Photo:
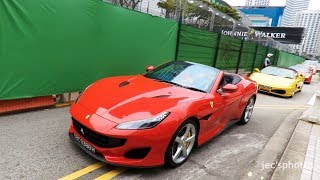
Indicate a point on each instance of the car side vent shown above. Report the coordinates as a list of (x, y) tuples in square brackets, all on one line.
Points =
[(124, 83), (161, 96)]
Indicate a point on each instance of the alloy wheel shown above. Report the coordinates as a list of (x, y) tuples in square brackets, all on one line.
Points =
[(183, 143), (249, 110)]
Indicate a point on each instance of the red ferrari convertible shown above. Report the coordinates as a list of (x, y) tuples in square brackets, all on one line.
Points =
[(159, 117), (306, 71)]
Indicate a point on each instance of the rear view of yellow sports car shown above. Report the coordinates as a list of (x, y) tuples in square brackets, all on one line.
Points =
[(278, 81)]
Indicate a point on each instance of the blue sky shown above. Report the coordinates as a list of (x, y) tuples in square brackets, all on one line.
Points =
[(314, 4)]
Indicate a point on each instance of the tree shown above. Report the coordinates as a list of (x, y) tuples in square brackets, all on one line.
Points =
[(225, 9), (169, 6), (192, 10), (129, 3)]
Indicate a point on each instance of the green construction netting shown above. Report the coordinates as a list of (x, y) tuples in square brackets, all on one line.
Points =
[(228, 54), (201, 46), (58, 46), (286, 59), (260, 56), (197, 45), (248, 55)]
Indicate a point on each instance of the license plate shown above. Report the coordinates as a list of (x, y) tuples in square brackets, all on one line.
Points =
[(84, 144), (264, 87)]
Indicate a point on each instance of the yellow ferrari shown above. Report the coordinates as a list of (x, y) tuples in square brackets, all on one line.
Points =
[(277, 80)]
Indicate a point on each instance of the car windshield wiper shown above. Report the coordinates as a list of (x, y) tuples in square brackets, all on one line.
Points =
[(176, 84), (170, 82), (272, 74), (288, 77), (194, 89)]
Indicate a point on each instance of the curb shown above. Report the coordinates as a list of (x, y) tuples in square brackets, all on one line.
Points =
[(294, 153), (274, 149)]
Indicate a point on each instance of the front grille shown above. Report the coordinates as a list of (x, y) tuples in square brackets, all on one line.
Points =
[(279, 91), (263, 87), (137, 153), (96, 138)]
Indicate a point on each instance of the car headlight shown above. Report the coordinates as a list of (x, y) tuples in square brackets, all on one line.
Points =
[(144, 123)]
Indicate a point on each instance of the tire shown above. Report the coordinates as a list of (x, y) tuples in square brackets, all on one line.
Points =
[(293, 93), (247, 112), (173, 158), (300, 89)]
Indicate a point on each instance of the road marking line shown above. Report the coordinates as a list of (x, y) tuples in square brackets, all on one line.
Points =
[(281, 107), (111, 174), (270, 105), (83, 171), (312, 99)]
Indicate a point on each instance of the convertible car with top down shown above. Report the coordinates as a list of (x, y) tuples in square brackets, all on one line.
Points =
[(159, 117), (306, 71), (278, 80)]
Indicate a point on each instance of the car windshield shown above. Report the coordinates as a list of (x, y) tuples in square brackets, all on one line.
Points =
[(281, 72), (301, 69), (188, 75), (309, 62)]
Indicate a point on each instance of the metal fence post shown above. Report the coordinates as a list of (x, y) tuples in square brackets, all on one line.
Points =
[(178, 10), (239, 57), (215, 57), (212, 21), (255, 56), (178, 42), (179, 20), (276, 58)]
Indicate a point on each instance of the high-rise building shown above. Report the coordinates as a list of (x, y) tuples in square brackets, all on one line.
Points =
[(291, 10), (310, 20), (257, 2), (263, 16)]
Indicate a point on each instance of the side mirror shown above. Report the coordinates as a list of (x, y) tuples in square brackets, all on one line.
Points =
[(229, 88), (257, 70), (300, 76), (149, 68)]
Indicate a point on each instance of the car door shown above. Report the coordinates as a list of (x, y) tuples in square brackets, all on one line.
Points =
[(232, 101), (211, 115), (217, 109)]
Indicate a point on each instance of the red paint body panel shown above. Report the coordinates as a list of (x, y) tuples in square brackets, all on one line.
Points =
[(308, 78), (108, 103), (141, 98), (155, 138)]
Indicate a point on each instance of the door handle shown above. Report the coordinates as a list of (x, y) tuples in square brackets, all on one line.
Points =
[(222, 94)]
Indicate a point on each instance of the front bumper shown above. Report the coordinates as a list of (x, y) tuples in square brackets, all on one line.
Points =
[(308, 80), (155, 139), (97, 156), (284, 92)]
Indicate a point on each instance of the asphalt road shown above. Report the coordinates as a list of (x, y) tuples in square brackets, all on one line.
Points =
[(35, 145)]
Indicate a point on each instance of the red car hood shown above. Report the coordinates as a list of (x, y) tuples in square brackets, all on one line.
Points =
[(128, 98)]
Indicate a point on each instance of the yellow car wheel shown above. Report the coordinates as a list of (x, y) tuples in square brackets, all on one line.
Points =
[(300, 89), (293, 92)]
